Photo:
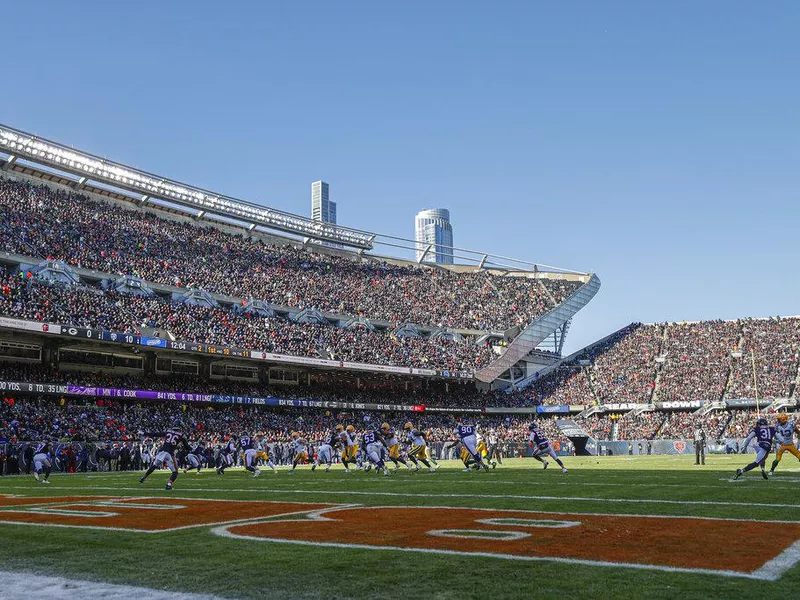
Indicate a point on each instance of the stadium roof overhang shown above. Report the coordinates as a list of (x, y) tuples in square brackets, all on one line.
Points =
[(57, 161), (21, 145)]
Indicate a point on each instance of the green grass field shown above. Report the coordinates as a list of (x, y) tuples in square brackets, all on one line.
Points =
[(198, 560)]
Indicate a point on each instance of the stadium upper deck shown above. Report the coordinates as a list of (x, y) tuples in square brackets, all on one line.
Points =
[(90, 223)]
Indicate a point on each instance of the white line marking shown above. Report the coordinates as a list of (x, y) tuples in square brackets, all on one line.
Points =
[(530, 523), (223, 532), (482, 496), (479, 534), (770, 571), (773, 569)]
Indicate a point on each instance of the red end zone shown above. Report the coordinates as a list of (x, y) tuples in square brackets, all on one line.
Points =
[(720, 546), (139, 514)]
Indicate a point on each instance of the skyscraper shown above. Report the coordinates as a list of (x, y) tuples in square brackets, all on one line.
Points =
[(433, 227), (322, 209)]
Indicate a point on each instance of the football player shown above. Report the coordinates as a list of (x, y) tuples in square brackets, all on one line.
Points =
[(147, 457), (428, 452), (300, 449), (262, 453), (374, 445), (484, 451), (194, 459), (226, 456), (247, 447), (348, 445), (325, 451), (469, 439), (42, 461), (417, 443), (541, 445), (763, 434), (165, 455), (784, 434), (393, 444)]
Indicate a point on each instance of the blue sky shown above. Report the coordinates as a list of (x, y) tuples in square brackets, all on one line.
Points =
[(656, 143)]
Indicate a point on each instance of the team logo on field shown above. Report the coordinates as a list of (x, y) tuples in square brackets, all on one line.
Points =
[(138, 514), (679, 446), (663, 543)]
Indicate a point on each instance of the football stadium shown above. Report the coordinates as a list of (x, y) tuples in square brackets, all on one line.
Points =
[(183, 370), (211, 397)]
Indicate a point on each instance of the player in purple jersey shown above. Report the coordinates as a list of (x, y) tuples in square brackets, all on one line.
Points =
[(173, 439), (541, 445), (763, 434)]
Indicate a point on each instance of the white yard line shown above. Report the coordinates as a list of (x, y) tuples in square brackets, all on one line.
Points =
[(427, 495), (24, 586)]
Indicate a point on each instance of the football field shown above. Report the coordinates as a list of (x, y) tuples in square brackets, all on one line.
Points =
[(611, 527)]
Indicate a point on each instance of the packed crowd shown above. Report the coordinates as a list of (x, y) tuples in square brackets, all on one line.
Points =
[(431, 393), (41, 221), (89, 419), (698, 360), (85, 420), (678, 362), (775, 344), (83, 306)]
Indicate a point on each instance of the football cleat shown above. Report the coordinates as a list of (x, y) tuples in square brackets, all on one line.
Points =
[(44, 481), (763, 474), (257, 472), (36, 476), (141, 479), (544, 464), (169, 485), (314, 466), (432, 470), (467, 470), (563, 469), (738, 474)]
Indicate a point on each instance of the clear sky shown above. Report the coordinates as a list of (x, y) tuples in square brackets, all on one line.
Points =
[(656, 143)]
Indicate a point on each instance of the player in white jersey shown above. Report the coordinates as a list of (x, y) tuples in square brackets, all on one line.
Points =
[(42, 462), (262, 452), (146, 456), (325, 451), (417, 447), (784, 436), (300, 449), (348, 445), (393, 444)]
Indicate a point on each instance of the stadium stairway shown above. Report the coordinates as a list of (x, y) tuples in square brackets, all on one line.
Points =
[(539, 330)]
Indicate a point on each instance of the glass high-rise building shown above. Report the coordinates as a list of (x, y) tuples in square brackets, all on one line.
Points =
[(322, 209), (432, 228)]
